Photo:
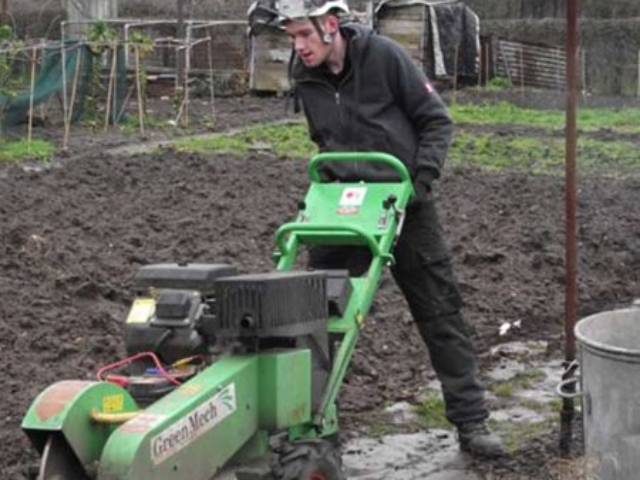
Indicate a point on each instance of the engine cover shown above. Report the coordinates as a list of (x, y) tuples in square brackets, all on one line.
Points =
[(274, 304)]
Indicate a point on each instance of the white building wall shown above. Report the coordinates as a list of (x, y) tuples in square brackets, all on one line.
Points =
[(87, 10)]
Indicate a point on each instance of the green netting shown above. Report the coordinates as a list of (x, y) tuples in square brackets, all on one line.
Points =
[(50, 81)]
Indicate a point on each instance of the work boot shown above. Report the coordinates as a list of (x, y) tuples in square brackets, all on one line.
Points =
[(476, 439)]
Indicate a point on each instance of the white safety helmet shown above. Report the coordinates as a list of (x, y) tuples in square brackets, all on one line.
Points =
[(295, 9), (275, 13)]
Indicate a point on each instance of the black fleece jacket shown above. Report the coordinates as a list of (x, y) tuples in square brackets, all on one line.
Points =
[(384, 103)]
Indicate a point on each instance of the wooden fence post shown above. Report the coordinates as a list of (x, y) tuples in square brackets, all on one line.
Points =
[(34, 60), (639, 73)]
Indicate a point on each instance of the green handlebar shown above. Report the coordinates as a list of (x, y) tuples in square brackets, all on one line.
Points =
[(324, 230), (379, 157)]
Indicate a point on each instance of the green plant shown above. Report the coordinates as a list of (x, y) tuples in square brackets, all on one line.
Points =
[(20, 150), (10, 84), (497, 84), (101, 36), (142, 46), (6, 33), (432, 413)]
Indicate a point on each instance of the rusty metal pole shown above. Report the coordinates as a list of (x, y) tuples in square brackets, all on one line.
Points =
[(568, 407), (180, 34), (4, 20)]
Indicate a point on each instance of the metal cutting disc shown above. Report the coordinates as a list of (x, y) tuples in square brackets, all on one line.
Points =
[(59, 462)]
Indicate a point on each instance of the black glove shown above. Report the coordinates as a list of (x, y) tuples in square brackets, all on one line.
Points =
[(422, 184)]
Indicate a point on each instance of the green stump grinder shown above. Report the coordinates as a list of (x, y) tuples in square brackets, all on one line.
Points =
[(232, 375)]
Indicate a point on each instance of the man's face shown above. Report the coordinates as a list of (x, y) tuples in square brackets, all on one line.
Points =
[(307, 42)]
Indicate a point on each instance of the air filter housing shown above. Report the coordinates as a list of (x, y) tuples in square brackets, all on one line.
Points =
[(274, 304), (193, 276)]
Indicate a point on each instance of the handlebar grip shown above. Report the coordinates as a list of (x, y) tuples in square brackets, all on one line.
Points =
[(379, 157)]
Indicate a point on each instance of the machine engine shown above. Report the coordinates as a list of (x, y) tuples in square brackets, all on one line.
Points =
[(185, 311), (171, 300)]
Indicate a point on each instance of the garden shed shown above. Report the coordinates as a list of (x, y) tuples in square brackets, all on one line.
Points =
[(269, 55), (442, 36)]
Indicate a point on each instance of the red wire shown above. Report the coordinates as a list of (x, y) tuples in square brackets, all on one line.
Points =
[(128, 360)]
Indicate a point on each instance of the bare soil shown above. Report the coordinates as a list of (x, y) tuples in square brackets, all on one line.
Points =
[(73, 235)]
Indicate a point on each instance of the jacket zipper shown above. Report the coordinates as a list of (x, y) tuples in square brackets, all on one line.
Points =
[(338, 101), (344, 125)]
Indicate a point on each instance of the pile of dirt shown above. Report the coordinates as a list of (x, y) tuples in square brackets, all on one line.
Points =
[(72, 238)]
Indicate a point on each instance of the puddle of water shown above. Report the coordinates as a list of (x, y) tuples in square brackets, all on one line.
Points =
[(433, 455)]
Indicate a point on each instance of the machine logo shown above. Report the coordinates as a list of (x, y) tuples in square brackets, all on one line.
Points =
[(353, 197), (197, 422)]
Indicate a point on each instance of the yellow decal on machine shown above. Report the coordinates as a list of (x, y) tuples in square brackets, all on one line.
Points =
[(113, 403), (193, 425), (142, 310)]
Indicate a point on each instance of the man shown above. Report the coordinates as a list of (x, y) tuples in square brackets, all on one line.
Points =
[(361, 92)]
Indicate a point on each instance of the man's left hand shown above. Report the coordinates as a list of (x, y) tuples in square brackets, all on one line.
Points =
[(422, 184)]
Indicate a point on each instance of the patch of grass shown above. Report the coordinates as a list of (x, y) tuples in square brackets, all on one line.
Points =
[(505, 113), (519, 435), (504, 389), (556, 405), (532, 375), (379, 430), (432, 413), (538, 153), (542, 154), (522, 381), (21, 150), (542, 408), (620, 120), (131, 123), (497, 84), (497, 151), (288, 139), (624, 120)]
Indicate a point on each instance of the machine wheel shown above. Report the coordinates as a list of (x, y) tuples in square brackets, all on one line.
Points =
[(59, 462), (308, 460)]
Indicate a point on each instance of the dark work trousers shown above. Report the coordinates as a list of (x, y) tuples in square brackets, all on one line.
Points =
[(425, 275)]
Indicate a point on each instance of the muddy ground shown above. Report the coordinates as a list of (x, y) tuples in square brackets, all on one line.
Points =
[(73, 235)]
